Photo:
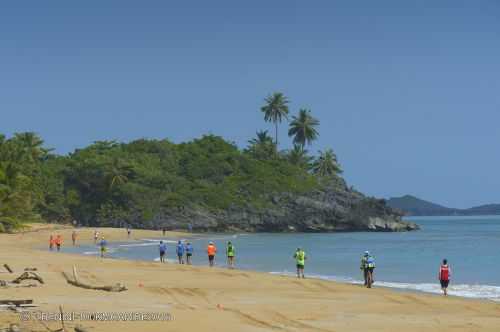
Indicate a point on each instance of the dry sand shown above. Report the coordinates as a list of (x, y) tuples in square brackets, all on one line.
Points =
[(200, 298)]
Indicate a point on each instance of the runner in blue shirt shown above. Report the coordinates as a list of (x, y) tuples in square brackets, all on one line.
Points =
[(163, 251), (180, 252)]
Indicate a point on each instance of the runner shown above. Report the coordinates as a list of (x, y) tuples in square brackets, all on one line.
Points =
[(164, 231), (96, 236), (103, 244), (73, 237), (230, 253), (300, 258), (58, 242), (368, 266), (128, 232), (211, 251), (163, 251), (189, 252), (363, 266), (180, 252), (444, 276), (52, 242)]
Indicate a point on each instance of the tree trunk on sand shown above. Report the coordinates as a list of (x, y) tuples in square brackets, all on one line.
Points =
[(28, 276), (113, 288)]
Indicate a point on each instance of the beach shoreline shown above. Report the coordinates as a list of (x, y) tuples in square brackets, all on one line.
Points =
[(218, 298)]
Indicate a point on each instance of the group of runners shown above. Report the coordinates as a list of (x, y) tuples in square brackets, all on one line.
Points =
[(184, 251), (55, 242), (368, 268)]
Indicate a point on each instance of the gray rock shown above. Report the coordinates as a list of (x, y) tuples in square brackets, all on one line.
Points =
[(335, 208)]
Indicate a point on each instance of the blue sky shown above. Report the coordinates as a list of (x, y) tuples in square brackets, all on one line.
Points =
[(408, 93)]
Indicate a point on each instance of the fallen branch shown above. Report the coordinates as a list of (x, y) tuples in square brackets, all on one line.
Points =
[(114, 288), (7, 267), (7, 306), (28, 276), (80, 329), (16, 302), (7, 284)]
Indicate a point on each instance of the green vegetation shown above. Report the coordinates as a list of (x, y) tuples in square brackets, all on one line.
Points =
[(110, 183)]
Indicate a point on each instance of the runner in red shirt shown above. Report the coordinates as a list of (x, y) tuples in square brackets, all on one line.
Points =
[(444, 276)]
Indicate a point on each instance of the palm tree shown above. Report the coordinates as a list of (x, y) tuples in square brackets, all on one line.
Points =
[(303, 128), (31, 144), (262, 146), (298, 156), (275, 109), (262, 138), (326, 165), (119, 173)]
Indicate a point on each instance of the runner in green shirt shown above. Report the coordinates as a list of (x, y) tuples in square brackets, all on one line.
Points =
[(300, 258), (230, 253)]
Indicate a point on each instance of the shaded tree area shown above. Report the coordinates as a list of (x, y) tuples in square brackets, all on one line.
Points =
[(111, 184)]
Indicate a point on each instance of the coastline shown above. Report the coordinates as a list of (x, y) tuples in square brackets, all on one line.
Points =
[(225, 300)]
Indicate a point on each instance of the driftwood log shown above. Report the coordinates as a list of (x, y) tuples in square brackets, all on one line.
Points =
[(16, 302), (7, 267), (80, 329), (7, 284), (112, 288), (28, 276)]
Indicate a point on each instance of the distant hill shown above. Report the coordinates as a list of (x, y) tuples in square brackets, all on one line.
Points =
[(413, 206)]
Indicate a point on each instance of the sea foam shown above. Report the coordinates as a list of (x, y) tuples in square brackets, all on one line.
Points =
[(462, 290)]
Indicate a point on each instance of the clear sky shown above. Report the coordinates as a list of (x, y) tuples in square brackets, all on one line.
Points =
[(407, 92)]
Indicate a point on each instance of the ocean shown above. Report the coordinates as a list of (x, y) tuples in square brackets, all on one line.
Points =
[(407, 260)]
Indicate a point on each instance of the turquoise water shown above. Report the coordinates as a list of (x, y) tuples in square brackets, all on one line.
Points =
[(404, 260)]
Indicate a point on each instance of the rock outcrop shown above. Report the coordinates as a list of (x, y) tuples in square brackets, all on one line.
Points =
[(335, 208)]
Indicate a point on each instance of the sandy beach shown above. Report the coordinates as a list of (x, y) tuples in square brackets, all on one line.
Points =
[(215, 299)]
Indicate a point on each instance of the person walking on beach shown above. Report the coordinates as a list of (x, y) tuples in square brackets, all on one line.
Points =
[(103, 244), (300, 259), (230, 253), (58, 242), (189, 252), (180, 252), (444, 276), (129, 231), (96, 236), (211, 251), (73, 238), (52, 242), (164, 231), (163, 251), (368, 266)]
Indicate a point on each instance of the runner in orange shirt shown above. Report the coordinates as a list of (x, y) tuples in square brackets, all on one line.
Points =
[(211, 251)]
